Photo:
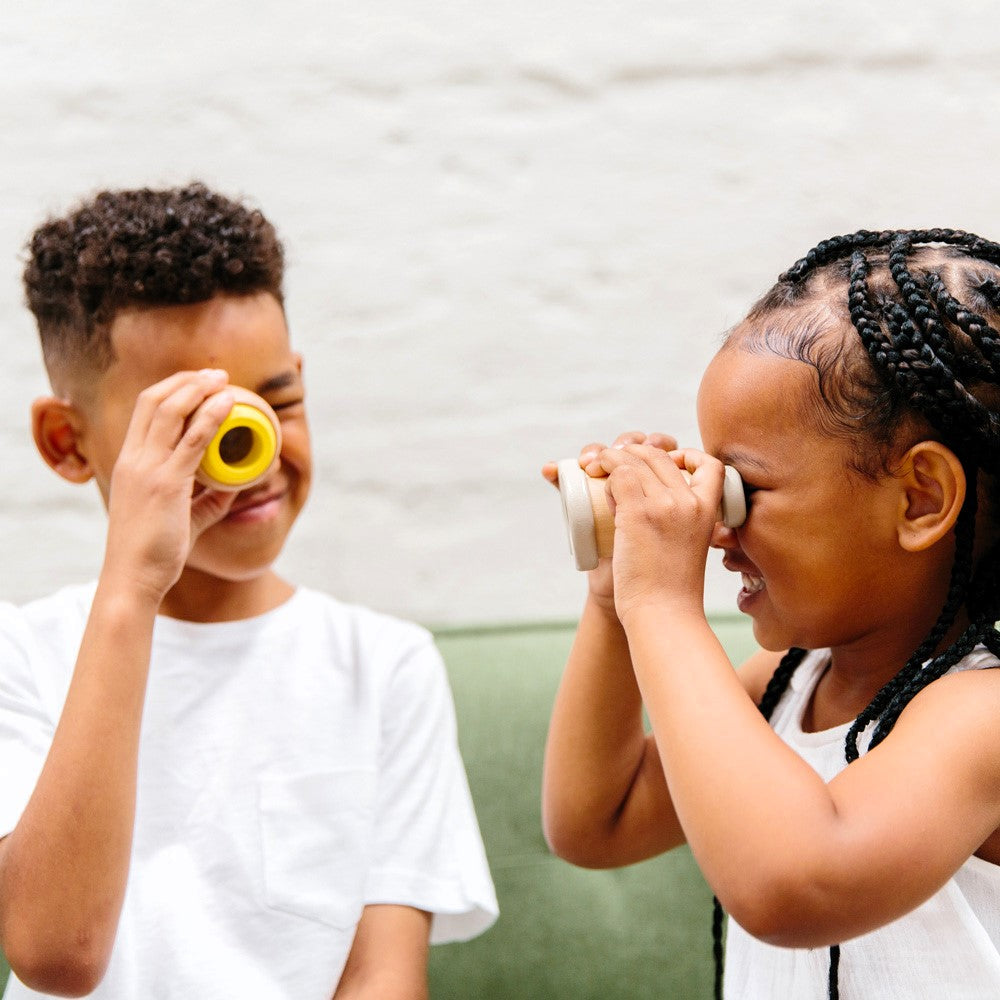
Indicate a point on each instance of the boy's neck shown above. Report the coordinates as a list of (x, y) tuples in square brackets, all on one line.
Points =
[(201, 597)]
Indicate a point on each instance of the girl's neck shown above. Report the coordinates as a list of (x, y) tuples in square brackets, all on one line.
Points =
[(856, 672)]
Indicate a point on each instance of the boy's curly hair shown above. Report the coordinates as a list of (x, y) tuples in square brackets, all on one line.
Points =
[(134, 248)]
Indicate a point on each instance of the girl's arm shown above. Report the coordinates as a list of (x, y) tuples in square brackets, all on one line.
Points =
[(796, 861), (605, 801)]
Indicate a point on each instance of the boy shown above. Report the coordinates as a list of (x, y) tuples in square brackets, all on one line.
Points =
[(213, 784)]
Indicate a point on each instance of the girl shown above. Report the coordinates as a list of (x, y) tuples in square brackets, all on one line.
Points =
[(829, 791)]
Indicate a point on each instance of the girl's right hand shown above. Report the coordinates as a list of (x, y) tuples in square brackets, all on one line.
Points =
[(152, 519), (601, 580)]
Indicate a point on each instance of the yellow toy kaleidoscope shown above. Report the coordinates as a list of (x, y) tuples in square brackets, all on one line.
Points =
[(245, 448)]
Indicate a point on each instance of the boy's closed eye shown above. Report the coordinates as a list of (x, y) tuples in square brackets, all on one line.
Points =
[(289, 404)]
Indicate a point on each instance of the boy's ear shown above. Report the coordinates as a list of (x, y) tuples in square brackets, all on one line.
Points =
[(55, 426), (932, 492)]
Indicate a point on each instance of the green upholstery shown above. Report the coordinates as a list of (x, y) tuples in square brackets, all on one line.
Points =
[(635, 933), (630, 934)]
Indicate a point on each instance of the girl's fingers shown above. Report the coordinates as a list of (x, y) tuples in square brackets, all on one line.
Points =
[(654, 466), (590, 456), (665, 442), (629, 437)]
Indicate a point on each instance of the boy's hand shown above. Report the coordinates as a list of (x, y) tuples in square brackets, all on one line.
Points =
[(663, 524), (152, 519), (601, 580)]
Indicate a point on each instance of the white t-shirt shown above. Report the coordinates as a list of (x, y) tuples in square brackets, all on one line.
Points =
[(946, 949), (293, 768)]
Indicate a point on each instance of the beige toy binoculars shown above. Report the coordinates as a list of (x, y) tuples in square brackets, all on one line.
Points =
[(590, 524), (245, 448)]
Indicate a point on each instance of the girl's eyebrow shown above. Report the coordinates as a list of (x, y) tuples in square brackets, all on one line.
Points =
[(282, 381), (744, 459)]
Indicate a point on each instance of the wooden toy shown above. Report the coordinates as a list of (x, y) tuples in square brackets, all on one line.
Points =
[(246, 447), (590, 524)]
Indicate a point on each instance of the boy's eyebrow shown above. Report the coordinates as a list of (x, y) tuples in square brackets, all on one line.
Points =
[(282, 381)]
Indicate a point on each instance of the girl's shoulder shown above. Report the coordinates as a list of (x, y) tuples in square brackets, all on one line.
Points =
[(756, 671), (961, 706), (974, 677)]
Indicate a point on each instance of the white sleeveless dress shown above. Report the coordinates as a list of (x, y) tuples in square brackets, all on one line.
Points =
[(946, 949)]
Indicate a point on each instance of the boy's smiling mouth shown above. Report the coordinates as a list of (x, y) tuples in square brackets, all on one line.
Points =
[(752, 584), (256, 506)]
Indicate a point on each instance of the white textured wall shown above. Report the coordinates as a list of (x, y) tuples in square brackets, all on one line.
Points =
[(511, 228)]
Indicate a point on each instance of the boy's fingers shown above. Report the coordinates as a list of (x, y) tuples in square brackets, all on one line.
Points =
[(159, 407), (207, 508), (202, 427)]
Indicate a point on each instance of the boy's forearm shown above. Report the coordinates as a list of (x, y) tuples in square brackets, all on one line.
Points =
[(64, 868)]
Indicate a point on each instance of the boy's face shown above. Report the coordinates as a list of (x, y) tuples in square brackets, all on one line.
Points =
[(247, 336)]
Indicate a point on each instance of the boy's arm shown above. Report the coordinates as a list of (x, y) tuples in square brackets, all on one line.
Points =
[(388, 959), (64, 867)]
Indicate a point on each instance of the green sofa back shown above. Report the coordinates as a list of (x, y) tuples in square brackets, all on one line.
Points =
[(564, 933)]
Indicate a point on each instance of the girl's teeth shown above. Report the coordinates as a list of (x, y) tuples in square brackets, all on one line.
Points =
[(752, 584)]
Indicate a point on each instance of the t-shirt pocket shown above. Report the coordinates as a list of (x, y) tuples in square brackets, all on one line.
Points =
[(316, 837)]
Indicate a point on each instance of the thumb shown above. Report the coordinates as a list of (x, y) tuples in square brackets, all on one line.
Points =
[(208, 508)]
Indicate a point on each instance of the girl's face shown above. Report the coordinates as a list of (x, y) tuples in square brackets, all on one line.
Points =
[(818, 554)]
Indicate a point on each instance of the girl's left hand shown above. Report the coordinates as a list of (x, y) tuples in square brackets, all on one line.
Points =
[(663, 525)]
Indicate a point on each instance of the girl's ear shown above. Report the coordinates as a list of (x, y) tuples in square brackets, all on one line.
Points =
[(932, 491), (55, 426)]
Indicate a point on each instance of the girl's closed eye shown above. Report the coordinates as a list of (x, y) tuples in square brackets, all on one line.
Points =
[(748, 491)]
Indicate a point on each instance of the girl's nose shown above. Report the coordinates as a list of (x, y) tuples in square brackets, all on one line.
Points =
[(723, 537)]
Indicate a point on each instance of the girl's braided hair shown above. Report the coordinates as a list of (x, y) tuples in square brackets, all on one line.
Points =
[(926, 308)]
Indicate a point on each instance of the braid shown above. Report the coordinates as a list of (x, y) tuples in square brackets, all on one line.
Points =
[(838, 247), (984, 591), (776, 687), (717, 950), (896, 694), (983, 337), (833, 981), (779, 681)]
